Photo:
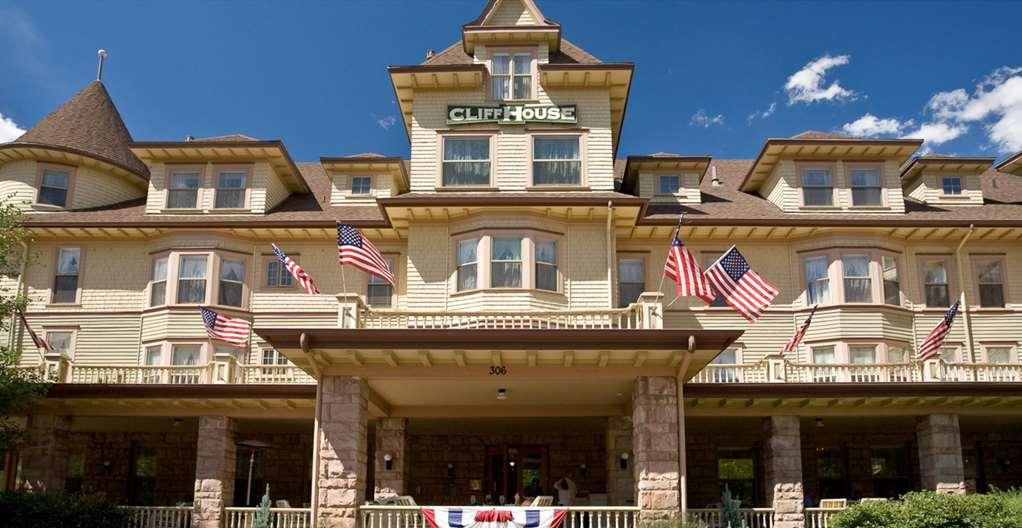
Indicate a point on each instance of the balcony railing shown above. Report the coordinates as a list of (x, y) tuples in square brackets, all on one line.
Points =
[(215, 372), (374, 516), (279, 517), (159, 516), (273, 375), (774, 369), (820, 517)]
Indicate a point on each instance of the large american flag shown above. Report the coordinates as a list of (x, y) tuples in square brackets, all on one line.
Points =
[(935, 339), (296, 271), (684, 270), (799, 334), (491, 517), (38, 341), (230, 330), (743, 289), (357, 250)]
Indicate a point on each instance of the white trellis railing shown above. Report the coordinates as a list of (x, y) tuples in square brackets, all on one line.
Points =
[(279, 517), (159, 516)]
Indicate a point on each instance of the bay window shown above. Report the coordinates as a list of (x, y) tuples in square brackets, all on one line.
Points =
[(862, 354), (511, 76), (990, 281), (232, 282), (53, 185), (65, 281), (231, 187), (546, 265), (824, 355), (892, 284), (631, 279), (935, 284), (466, 161), (556, 160), (191, 279), (153, 356), (817, 280), (185, 355), (817, 187), (183, 192), (158, 284), (866, 188), (857, 283), (468, 264), (897, 354), (506, 262)]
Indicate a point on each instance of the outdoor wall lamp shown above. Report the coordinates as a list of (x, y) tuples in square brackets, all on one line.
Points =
[(583, 469), (388, 462), (450, 470), (501, 394), (623, 461)]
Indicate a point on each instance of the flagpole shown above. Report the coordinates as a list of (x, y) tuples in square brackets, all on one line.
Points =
[(344, 286)]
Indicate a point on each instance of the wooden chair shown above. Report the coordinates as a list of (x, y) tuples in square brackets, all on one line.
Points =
[(833, 503), (543, 500), (404, 500), (282, 503)]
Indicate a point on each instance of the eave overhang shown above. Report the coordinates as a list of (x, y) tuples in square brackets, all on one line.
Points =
[(393, 165), (615, 77), (961, 165), (407, 79), (69, 156), (636, 164), (271, 151), (1013, 164), (776, 149), (472, 35)]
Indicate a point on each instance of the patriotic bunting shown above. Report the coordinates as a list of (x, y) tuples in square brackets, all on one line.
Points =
[(489, 517)]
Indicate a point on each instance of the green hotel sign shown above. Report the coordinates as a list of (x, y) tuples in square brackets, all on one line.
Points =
[(511, 114)]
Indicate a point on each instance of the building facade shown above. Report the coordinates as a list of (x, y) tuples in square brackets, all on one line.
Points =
[(529, 334)]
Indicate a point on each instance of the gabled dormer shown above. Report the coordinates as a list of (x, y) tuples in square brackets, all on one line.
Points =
[(510, 21), (361, 179), (816, 172), (221, 175), (665, 178), (945, 180), (1012, 165), (77, 157)]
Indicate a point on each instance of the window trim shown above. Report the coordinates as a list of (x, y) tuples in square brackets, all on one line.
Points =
[(836, 276), (1012, 346), (558, 272), (166, 281), (245, 290), (394, 259), (842, 349), (81, 273), (481, 270), (659, 189), (264, 265), (72, 343), (484, 261), (583, 147), (490, 136), (217, 170), (523, 261), (879, 167), (829, 259), (949, 266), (213, 266), (70, 170), (871, 275), (801, 168), (961, 186), (975, 261), (349, 186), (630, 255), (511, 51), (170, 170)]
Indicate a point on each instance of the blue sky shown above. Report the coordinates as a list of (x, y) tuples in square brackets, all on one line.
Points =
[(711, 78)]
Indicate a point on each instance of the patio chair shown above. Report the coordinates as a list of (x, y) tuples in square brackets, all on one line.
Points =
[(282, 503), (543, 500), (833, 503), (404, 500)]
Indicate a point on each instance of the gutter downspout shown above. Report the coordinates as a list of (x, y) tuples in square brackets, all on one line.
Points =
[(961, 286), (610, 254)]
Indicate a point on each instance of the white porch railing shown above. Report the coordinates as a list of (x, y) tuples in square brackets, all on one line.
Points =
[(820, 517), (998, 373), (279, 517), (273, 375), (849, 373), (376, 516), (752, 517), (159, 516), (139, 375), (752, 373), (773, 369)]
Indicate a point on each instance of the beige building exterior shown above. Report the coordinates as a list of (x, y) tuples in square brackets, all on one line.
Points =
[(529, 335)]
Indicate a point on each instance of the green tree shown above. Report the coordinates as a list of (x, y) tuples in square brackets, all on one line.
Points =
[(262, 515), (18, 389), (730, 516)]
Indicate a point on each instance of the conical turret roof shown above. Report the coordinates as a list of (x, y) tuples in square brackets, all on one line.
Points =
[(88, 124)]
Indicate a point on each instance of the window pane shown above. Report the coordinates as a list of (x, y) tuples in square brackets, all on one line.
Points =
[(546, 251), (232, 273), (60, 341), (818, 195), (897, 355), (631, 270), (231, 293), (506, 274), (193, 267), (65, 289), (936, 286), (55, 179), (670, 184), (506, 249), (232, 270), (999, 355), (991, 295), (823, 355), (158, 293), (153, 355), (186, 354), (160, 269), (191, 291), (361, 185), (68, 260), (949, 354), (184, 180), (501, 64), (460, 149), (51, 196), (936, 273), (523, 64), (501, 88), (865, 178), (231, 180), (629, 293), (937, 295), (892, 284), (727, 357), (816, 177), (857, 280), (817, 280), (467, 277), (546, 277), (867, 196), (523, 86), (862, 355), (556, 148), (230, 199), (182, 199), (379, 295), (557, 172), (467, 250), (952, 185), (466, 173), (990, 272)]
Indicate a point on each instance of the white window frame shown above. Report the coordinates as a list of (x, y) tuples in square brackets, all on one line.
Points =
[(442, 160), (475, 264), (850, 170), (868, 277), (72, 340), (282, 273), (660, 184), (581, 160), (173, 170), (828, 298), (360, 193), (245, 190), (536, 241), (643, 264), (1001, 261), (949, 272), (69, 175), (153, 282), (802, 172), (521, 261), (241, 283), (513, 55), (372, 281), (78, 275)]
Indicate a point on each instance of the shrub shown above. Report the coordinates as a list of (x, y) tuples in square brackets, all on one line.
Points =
[(36, 510), (926, 509)]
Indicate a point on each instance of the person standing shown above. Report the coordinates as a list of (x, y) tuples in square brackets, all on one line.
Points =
[(566, 490)]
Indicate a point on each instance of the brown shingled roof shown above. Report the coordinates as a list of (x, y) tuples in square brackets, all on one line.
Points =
[(227, 138), (569, 53), (816, 134), (88, 124)]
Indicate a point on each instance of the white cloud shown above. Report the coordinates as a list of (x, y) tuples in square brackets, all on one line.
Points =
[(701, 118), (386, 122), (870, 125), (808, 84), (762, 114), (937, 133), (996, 102), (9, 130)]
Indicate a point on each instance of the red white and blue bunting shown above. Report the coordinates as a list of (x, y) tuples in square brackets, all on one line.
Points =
[(489, 517)]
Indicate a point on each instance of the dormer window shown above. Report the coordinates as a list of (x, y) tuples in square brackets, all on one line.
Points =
[(231, 189), (361, 185), (817, 187), (866, 189), (952, 185), (184, 189), (53, 186), (669, 184), (511, 76)]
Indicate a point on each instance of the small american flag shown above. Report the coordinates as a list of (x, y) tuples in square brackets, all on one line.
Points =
[(682, 268), (230, 330), (741, 288), (38, 341), (357, 250), (296, 271), (935, 339), (799, 334)]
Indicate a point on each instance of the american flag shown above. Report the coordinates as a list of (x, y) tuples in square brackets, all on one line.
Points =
[(935, 339), (296, 271), (357, 250), (743, 289), (682, 268), (230, 330), (38, 341), (800, 333)]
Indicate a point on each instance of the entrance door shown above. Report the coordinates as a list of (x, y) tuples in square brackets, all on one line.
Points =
[(512, 469)]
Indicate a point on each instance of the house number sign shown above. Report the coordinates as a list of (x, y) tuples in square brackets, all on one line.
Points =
[(498, 371)]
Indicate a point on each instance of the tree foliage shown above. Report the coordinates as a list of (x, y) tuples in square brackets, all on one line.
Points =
[(262, 515), (927, 509)]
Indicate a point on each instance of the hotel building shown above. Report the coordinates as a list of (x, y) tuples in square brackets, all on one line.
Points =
[(529, 334)]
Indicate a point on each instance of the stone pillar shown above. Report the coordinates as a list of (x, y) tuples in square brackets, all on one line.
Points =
[(343, 451), (44, 453), (940, 453), (215, 459), (620, 480), (782, 463), (391, 441), (655, 446)]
